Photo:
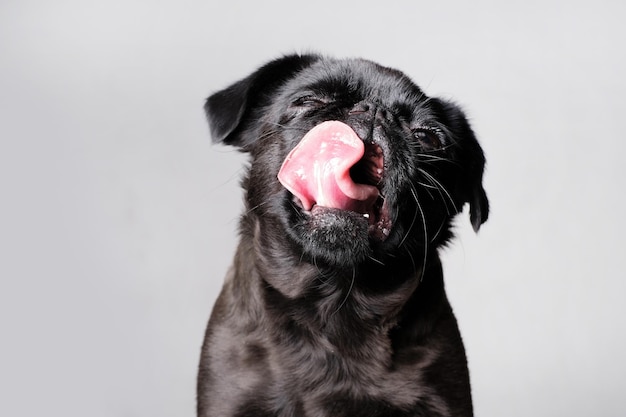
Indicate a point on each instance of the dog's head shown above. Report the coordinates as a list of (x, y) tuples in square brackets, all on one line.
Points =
[(351, 162)]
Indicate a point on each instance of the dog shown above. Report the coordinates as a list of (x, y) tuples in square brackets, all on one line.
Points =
[(335, 302)]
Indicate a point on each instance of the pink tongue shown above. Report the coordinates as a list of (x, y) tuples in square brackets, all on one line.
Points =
[(317, 170)]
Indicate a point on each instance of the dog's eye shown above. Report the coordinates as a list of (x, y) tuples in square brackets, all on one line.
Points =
[(309, 101), (427, 138)]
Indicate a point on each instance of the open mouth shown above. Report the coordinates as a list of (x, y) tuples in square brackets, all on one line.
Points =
[(332, 168), (369, 170)]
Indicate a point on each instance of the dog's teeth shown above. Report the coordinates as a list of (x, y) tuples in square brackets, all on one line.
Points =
[(367, 216)]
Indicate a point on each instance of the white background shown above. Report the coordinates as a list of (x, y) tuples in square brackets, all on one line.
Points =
[(118, 217)]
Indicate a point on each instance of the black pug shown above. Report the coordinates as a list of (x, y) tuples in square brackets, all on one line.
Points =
[(335, 303)]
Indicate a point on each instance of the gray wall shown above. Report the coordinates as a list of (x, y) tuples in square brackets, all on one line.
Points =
[(118, 217)]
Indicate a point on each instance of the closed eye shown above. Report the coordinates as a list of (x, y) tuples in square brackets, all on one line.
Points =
[(309, 101)]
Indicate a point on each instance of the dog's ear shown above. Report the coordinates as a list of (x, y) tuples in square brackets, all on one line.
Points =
[(231, 112), (472, 159), (479, 206)]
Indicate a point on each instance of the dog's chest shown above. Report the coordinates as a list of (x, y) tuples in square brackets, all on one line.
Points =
[(374, 383)]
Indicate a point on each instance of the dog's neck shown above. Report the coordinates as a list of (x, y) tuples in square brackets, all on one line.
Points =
[(343, 305)]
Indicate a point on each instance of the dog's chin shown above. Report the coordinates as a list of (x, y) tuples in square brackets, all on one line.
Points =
[(333, 237), (340, 238)]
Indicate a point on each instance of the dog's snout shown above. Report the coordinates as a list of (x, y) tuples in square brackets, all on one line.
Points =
[(364, 117)]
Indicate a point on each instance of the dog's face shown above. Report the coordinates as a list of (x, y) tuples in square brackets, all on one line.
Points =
[(418, 165)]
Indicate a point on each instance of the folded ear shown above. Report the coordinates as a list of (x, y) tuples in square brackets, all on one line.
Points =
[(231, 111), (479, 206), (472, 160)]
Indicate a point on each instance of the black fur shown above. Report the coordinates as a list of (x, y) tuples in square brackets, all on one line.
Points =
[(318, 315)]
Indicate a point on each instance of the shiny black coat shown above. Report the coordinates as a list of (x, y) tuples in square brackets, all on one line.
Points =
[(318, 317)]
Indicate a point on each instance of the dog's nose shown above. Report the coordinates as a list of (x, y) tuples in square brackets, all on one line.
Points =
[(362, 117)]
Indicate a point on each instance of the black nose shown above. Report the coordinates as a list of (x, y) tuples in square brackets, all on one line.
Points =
[(363, 118)]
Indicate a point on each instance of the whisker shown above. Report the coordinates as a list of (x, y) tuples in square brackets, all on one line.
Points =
[(441, 188), (438, 231), (431, 186), (321, 274), (428, 188), (408, 252), (345, 299), (275, 130), (283, 127), (431, 157), (408, 231), (256, 207), (297, 210), (376, 260), (419, 206)]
